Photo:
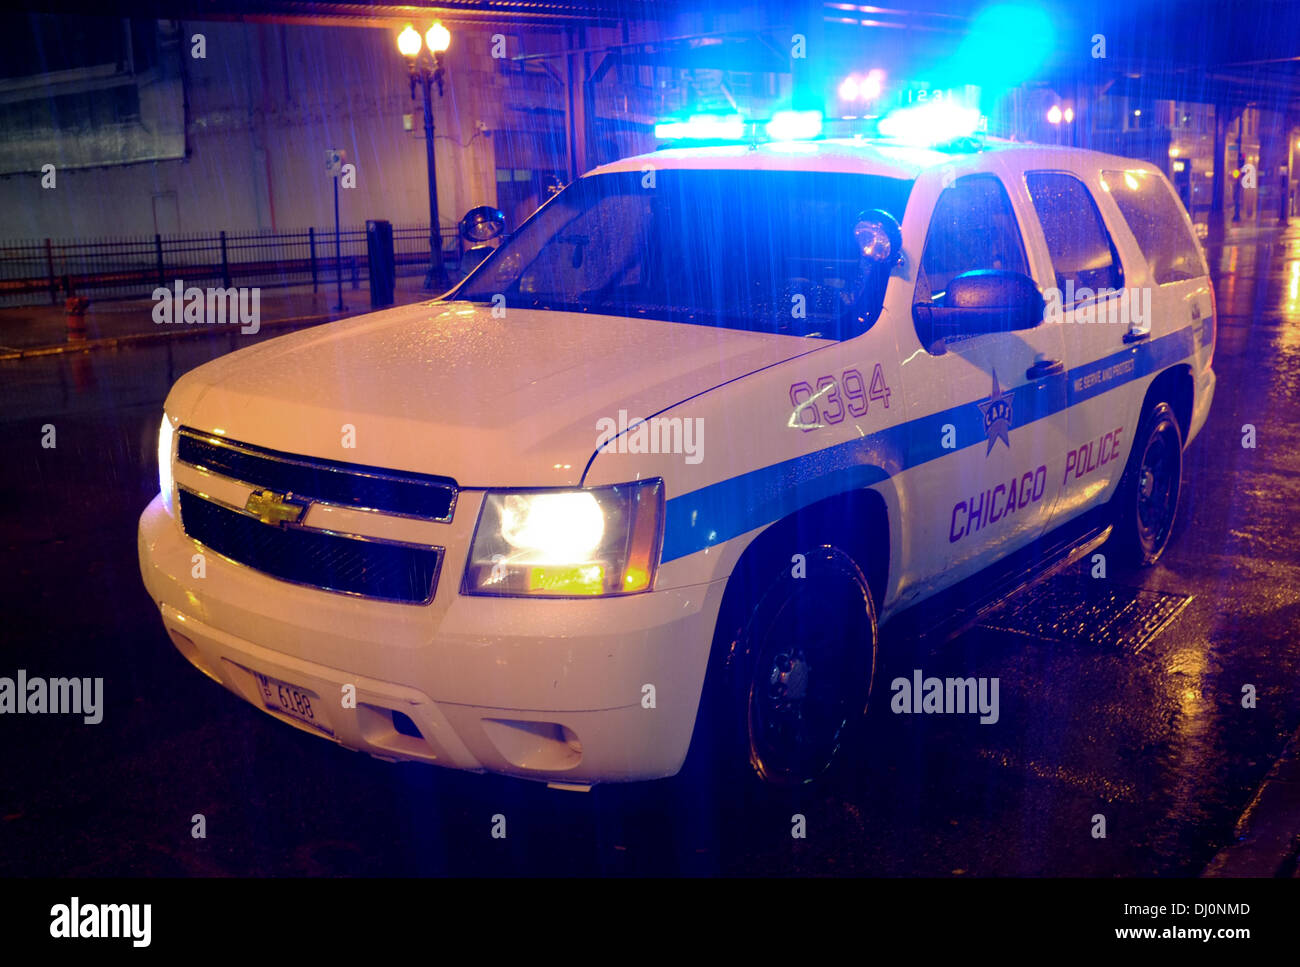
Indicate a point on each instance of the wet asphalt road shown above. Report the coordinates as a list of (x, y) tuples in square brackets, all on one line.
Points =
[(1154, 740)]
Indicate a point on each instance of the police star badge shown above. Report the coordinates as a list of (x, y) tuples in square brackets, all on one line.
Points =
[(997, 415)]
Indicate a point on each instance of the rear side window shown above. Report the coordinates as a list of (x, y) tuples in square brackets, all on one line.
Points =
[(1158, 223), (1080, 246)]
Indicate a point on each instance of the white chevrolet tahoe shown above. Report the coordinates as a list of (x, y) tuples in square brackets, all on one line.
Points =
[(668, 461)]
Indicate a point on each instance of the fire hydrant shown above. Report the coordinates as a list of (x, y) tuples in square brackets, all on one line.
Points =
[(75, 308)]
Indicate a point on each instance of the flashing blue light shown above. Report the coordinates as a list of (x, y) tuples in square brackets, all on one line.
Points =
[(1007, 43), (933, 122), (703, 127), (794, 125)]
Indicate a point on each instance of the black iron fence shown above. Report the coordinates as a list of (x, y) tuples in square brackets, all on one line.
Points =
[(48, 270)]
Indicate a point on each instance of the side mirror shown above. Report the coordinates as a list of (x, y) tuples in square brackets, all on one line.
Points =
[(980, 302), (482, 224)]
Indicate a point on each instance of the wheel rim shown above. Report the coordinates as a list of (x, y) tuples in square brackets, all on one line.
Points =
[(1157, 485), (807, 679)]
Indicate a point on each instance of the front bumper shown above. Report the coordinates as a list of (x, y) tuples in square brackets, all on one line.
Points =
[(551, 690)]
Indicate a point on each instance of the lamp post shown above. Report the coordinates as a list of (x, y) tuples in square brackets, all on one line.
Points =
[(424, 63)]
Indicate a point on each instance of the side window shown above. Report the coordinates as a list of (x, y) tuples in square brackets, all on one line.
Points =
[(1081, 248), (597, 251), (973, 227), (1156, 218)]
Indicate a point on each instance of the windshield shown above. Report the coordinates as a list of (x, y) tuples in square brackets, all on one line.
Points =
[(763, 251)]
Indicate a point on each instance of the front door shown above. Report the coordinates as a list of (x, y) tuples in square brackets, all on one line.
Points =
[(986, 411)]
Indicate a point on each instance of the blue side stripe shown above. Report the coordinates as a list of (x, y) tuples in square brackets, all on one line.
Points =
[(726, 509), (721, 511), (1147, 357)]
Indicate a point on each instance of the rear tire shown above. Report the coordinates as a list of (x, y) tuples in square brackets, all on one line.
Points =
[(1146, 504)]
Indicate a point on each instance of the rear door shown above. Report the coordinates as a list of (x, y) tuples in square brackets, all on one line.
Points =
[(1092, 308)]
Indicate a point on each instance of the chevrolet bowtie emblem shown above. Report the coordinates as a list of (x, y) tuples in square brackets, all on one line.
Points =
[(272, 508)]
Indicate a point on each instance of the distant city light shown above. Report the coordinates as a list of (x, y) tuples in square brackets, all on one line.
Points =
[(866, 89), (872, 86)]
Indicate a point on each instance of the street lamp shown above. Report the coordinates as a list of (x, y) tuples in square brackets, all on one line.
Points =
[(408, 42), (438, 38), (426, 69)]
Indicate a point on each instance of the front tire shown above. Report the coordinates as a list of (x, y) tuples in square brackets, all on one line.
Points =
[(794, 667), (1146, 503)]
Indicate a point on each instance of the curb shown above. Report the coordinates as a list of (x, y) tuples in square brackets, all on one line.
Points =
[(1267, 836), (142, 338)]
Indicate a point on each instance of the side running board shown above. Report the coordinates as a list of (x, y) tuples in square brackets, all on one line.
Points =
[(950, 612)]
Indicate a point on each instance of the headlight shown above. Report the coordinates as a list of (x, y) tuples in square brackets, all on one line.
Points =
[(166, 434), (567, 543)]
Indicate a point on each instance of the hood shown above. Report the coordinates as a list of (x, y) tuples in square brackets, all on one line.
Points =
[(444, 388)]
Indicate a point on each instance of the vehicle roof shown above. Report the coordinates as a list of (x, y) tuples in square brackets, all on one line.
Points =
[(867, 156)]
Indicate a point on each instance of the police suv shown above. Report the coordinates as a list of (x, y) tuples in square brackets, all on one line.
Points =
[(656, 475)]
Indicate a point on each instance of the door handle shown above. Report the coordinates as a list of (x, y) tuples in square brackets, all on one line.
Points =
[(1137, 335), (1045, 367)]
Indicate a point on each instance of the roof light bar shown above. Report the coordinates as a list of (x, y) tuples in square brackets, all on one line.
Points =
[(702, 127), (794, 125), (933, 122)]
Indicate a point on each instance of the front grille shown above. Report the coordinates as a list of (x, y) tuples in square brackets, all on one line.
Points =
[(353, 565), (328, 481)]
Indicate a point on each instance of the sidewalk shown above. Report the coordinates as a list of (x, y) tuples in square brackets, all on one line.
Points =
[(1248, 230), (42, 330)]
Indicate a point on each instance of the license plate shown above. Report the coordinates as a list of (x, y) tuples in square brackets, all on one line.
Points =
[(291, 701)]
